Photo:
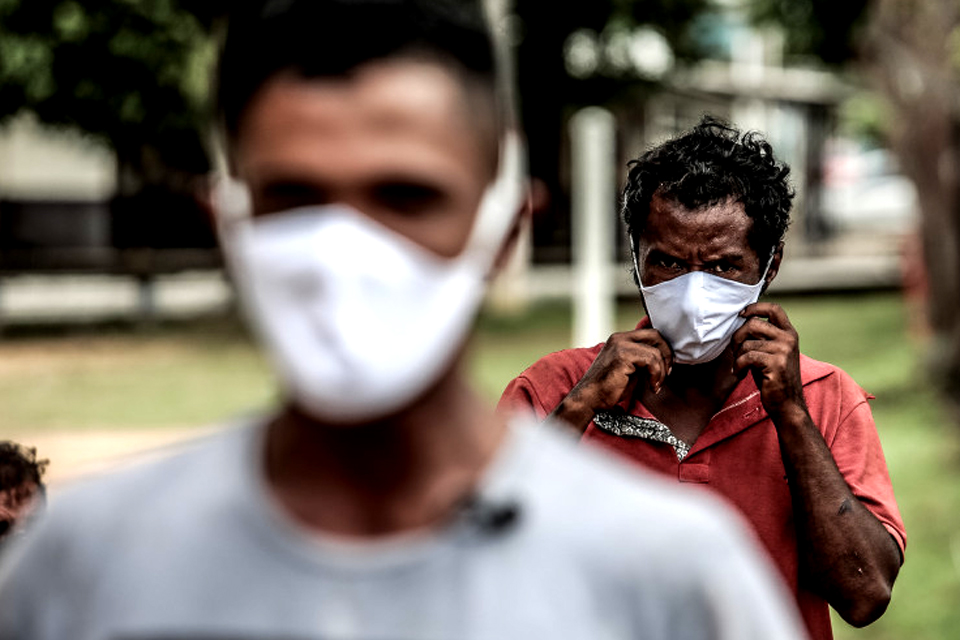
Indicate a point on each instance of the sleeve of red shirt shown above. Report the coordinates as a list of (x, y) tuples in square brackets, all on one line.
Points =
[(521, 397), (859, 456), (547, 382)]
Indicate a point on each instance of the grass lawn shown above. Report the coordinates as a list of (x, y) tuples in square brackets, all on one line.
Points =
[(185, 376), (109, 378)]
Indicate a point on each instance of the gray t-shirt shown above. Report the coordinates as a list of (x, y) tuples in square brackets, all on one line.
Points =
[(563, 542)]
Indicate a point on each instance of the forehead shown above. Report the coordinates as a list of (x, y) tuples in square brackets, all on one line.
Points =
[(386, 110), (705, 232)]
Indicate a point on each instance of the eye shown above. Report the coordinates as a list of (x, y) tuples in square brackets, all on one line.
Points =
[(281, 196), (721, 267), (408, 197), (666, 262)]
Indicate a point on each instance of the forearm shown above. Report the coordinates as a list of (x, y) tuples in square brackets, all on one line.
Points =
[(846, 554), (574, 411)]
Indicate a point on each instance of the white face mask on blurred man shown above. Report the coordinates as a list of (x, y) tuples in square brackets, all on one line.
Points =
[(360, 320)]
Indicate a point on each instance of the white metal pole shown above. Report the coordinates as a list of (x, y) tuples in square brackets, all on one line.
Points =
[(593, 200)]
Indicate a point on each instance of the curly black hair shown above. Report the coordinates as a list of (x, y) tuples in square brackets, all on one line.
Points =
[(709, 164), (19, 465)]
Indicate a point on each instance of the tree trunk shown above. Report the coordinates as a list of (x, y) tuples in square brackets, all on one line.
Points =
[(909, 45)]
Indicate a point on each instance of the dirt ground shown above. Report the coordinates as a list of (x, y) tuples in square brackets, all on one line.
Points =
[(73, 455)]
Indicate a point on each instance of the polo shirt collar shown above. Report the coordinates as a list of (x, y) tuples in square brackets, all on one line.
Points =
[(743, 408)]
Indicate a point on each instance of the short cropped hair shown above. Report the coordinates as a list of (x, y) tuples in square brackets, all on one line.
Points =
[(19, 466), (332, 38), (708, 165)]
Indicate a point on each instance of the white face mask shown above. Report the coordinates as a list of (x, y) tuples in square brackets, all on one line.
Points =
[(359, 320), (698, 312)]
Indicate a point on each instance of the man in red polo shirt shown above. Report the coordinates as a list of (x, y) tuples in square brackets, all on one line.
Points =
[(711, 387)]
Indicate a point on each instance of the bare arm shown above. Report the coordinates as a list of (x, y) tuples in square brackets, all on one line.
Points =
[(846, 554)]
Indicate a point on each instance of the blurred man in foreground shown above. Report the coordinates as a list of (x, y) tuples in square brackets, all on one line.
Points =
[(711, 387), (374, 185), (22, 492)]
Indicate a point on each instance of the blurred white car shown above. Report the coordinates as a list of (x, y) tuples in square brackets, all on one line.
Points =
[(864, 190)]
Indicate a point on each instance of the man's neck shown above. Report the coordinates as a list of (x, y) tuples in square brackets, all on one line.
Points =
[(405, 472), (692, 395), (714, 380)]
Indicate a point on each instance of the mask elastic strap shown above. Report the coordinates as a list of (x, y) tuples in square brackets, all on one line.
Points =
[(636, 265), (500, 202), (766, 269), (231, 199)]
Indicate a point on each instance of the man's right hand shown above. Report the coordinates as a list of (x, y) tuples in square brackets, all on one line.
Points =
[(641, 356)]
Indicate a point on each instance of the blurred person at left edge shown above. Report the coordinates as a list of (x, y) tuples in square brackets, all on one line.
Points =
[(374, 181), (22, 492)]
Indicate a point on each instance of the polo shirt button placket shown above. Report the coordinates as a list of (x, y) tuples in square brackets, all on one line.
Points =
[(695, 468)]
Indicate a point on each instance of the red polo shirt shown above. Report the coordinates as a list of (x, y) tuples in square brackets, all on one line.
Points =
[(738, 454)]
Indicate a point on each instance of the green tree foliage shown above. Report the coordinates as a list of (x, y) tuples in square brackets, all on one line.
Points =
[(130, 72), (826, 29)]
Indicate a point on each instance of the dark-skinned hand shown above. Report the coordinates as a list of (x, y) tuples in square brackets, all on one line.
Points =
[(768, 346), (641, 356)]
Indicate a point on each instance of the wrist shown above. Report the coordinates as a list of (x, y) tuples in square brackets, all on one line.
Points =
[(791, 414), (574, 411)]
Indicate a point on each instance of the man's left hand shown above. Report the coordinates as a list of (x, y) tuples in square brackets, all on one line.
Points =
[(768, 346)]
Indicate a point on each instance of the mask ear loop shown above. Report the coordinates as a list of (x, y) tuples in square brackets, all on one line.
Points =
[(766, 269), (231, 199), (636, 265), (229, 196), (232, 213), (500, 204)]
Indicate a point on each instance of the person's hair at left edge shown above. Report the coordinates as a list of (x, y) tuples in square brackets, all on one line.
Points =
[(332, 38), (19, 465)]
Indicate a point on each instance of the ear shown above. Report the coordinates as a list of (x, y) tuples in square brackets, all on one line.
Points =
[(774, 267)]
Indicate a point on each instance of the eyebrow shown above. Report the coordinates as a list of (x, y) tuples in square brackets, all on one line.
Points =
[(735, 258), (273, 176)]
